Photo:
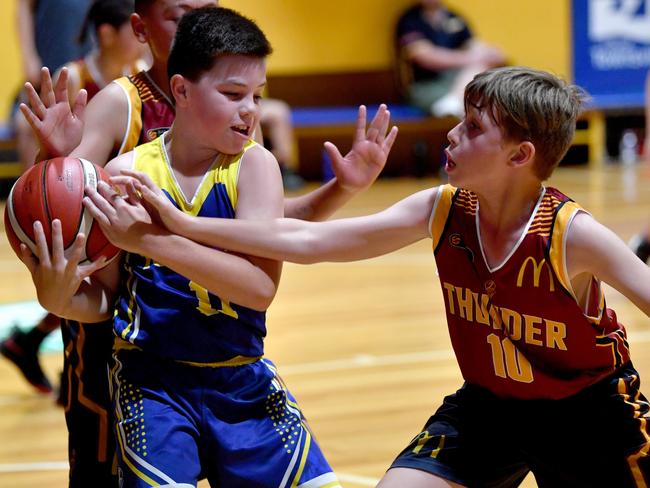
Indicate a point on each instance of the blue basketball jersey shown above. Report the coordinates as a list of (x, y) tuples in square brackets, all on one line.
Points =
[(164, 313)]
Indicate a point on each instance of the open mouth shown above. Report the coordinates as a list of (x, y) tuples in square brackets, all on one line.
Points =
[(450, 161), (241, 129)]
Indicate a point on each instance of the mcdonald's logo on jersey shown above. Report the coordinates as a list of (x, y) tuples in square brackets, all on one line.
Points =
[(155, 133), (537, 272)]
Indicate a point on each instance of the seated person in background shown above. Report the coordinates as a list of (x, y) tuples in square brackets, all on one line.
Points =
[(278, 129), (437, 56)]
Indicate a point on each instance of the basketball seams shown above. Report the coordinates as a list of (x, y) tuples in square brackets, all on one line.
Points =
[(15, 225), (91, 178)]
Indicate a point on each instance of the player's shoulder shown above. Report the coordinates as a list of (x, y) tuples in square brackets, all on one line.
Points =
[(123, 161), (109, 99)]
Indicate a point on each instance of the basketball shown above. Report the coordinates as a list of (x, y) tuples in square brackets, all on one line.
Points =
[(54, 189)]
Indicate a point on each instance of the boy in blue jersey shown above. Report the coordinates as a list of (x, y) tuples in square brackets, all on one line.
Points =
[(549, 384), (192, 394)]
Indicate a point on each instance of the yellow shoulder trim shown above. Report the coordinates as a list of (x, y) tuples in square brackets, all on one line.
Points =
[(557, 252), (440, 211), (134, 121)]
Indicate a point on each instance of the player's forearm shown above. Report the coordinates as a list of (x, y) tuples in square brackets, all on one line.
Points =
[(228, 276), (299, 241), (319, 204)]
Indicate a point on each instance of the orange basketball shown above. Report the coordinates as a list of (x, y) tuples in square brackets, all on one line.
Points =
[(54, 189)]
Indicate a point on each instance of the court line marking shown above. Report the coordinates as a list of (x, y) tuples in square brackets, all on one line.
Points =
[(366, 361), (370, 360), (63, 466), (26, 467), (359, 480)]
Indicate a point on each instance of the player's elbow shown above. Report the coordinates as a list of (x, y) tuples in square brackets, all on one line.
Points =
[(262, 298), (305, 248)]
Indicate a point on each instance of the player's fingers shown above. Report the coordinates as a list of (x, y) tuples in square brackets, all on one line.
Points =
[(360, 130), (381, 119), (104, 201), (143, 178), (383, 125), (390, 139), (101, 218), (76, 251), (27, 257), (47, 91), (57, 242), (33, 121), (79, 105), (42, 252), (372, 135), (61, 86), (132, 194), (332, 152), (35, 101)]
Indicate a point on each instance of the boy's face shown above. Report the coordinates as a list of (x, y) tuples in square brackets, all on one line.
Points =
[(160, 21), (223, 104), (477, 151)]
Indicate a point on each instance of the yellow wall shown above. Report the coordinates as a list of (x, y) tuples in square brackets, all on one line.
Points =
[(339, 35), (335, 35), (10, 68)]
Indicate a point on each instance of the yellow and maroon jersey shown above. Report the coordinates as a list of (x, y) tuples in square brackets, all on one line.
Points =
[(151, 112), (84, 73), (518, 328)]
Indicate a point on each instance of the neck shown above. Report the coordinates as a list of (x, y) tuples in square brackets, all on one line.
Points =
[(509, 209), (109, 66), (186, 156), (158, 74)]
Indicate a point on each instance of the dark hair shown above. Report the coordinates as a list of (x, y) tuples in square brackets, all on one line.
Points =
[(141, 5), (530, 105), (206, 33), (113, 12)]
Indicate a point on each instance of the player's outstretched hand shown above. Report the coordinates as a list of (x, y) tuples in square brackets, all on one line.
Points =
[(122, 218), (360, 167), (57, 126), (56, 273), (157, 202)]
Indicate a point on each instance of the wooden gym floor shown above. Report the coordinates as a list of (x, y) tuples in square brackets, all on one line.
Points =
[(363, 346)]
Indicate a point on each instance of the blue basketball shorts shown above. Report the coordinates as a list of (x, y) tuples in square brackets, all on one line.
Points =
[(237, 426), (599, 437)]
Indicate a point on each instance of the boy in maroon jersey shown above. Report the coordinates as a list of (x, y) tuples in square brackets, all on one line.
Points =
[(549, 385)]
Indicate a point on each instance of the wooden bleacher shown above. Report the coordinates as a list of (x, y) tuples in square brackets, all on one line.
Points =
[(324, 107)]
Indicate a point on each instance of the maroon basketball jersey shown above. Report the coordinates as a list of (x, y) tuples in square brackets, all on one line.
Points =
[(518, 329), (150, 111)]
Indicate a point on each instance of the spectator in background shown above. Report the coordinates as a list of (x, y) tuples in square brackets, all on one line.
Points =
[(48, 35), (437, 56), (275, 120)]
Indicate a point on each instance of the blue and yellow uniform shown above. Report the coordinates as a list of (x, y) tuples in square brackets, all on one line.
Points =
[(88, 347), (193, 396), (549, 386)]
